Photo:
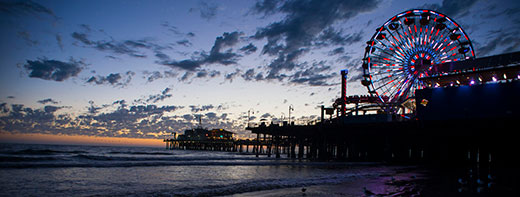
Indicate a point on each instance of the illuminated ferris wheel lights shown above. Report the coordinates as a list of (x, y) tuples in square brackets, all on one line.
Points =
[(455, 36), (463, 50), (410, 54)]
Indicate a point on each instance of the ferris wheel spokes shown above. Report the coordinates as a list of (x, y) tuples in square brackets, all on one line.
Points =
[(406, 48)]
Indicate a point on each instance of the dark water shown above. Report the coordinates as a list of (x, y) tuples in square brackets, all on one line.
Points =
[(61, 170)]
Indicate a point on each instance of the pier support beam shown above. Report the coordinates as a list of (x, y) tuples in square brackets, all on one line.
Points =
[(257, 144), (300, 148)]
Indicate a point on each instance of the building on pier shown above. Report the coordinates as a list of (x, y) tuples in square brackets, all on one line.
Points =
[(205, 134)]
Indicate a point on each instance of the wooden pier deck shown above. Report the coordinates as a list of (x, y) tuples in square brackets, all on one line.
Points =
[(458, 125)]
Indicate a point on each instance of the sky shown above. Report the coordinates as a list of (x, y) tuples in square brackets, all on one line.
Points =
[(144, 69)]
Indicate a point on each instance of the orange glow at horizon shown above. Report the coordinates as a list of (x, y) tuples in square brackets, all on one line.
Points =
[(78, 140)]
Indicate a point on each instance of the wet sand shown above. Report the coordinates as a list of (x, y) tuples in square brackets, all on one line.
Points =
[(401, 183), (412, 181)]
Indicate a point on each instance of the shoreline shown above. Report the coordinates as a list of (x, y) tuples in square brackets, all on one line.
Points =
[(402, 182), (406, 181)]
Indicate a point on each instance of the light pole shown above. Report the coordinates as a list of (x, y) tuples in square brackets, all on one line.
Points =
[(291, 108), (344, 74)]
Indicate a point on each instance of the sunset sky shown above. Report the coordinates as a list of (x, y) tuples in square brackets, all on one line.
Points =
[(143, 69)]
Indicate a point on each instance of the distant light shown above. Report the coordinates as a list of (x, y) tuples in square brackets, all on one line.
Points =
[(479, 79), (494, 79), (458, 82), (424, 102), (518, 76), (437, 84), (472, 82), (505, 77)]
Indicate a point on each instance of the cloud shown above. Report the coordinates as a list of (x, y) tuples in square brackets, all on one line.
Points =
[(136, 121), (227, 39), (132, 48), (55, 70), (452, 8), (306, 24), (232, 75), (330, 36), (48, 100), (152, 76), (26, 36), (25, 7), (59, 41), (82, 37), (266, 7), (248, 49), (316, 75), (93, 109), (204, 73), (500, 39), (284, 61), (225, 58), (186, 76), (267, 115), (129, 121), (336, 51), (154, 98), (197, 108), (184, 42), (215, 56), (212, 116), (207, 11), (121, 103), (51, 108), (160, 97), (25, 119), (127, 47), (175, 30), (249, 75), (188, 64), (113, 79), (86, 27)]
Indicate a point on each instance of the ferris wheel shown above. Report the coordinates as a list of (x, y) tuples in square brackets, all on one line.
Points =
[(406, 48)]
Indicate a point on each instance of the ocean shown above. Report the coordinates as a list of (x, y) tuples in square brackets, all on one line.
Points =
[(78, 170)]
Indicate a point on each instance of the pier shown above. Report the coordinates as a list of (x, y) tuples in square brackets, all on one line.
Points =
[(461, 124)]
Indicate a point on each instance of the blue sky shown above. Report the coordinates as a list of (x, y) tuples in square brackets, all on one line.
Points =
[(146, 68)]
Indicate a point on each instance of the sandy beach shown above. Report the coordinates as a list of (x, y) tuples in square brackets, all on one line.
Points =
[(407, 181), (403, 182)]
